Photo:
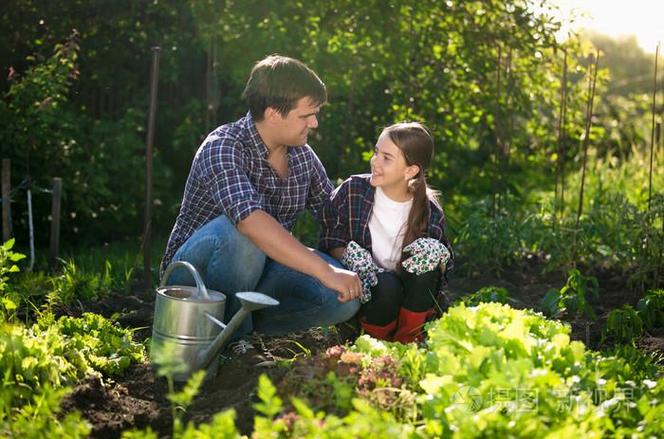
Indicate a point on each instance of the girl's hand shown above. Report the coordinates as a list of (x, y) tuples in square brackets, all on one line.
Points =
[(427, 254)]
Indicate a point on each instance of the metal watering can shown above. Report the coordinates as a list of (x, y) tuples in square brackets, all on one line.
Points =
[(188, 332)]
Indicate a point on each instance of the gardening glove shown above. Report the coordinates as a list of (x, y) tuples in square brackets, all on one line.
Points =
[(427, 254), (359, 260)]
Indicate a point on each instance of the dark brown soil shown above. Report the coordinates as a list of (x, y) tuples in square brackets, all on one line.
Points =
[(138, 398)]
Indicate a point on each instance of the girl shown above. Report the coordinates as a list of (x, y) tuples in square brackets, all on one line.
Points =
[(389, 228)]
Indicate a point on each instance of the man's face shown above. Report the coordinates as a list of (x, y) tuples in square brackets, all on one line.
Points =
[(293, 129)]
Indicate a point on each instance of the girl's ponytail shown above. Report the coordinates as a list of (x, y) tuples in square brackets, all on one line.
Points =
[(416, 144)]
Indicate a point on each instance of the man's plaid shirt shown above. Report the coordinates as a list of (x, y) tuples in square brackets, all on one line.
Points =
[(231, 176), (346, 218)]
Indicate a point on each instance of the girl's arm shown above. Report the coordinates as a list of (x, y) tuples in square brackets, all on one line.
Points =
[(335, 232), (336, 252)]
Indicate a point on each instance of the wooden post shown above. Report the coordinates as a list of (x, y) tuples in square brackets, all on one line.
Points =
[(55, 221), (147, 228), (6, 200)]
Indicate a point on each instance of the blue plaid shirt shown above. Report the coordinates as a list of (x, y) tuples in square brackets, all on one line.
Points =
[(231, 176), (346, 218)]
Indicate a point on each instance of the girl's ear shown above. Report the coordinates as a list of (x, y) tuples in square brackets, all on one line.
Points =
[(411, 171)]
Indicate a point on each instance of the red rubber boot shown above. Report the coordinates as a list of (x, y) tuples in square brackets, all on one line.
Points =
[(410, 326), (380, 332)]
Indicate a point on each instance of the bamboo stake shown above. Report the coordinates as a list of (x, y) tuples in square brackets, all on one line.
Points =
[(592, 82), (147, 229), (652, 129), (507, 141), (498, 150), (561, 137)]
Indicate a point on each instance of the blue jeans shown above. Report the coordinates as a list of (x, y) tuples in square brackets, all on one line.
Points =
[(229, 263)]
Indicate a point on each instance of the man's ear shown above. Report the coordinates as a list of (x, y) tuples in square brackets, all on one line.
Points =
[(270, 113), (273, 115)]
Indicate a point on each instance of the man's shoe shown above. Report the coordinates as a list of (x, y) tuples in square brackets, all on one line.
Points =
[(348, 331)]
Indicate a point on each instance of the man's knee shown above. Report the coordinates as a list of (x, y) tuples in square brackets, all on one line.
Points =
[(344, 311), (225, 258)]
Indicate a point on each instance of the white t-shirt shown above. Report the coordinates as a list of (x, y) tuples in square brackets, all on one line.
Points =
[(387, 225)]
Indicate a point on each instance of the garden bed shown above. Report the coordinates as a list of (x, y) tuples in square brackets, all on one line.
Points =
[(137, 399)]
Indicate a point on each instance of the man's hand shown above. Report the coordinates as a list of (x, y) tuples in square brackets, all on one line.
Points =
[(270, 236), (346, 283)]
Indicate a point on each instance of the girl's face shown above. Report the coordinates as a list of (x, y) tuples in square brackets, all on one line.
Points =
[(388, 166)]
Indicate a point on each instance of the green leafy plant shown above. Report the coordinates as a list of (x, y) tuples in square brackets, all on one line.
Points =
[(8, 300), (488, 370), (76, 284), (623, 324), (642, 365), (572, 298), (41, 418), (37, 362), (183, 399), (486, 295), (221, 426), (651, 309), (105, 346)]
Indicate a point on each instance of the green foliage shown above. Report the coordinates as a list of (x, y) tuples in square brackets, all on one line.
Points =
[(61, 353), (488, 371), (486, 295), (488, 240), (270, 404), (222, 425), (183, 399), (75, 284), (572, 297), (642, 365), (8, 301), (623, 324), (651, 309), (38, 361), (105, 346), (41, 417), (630, 67)]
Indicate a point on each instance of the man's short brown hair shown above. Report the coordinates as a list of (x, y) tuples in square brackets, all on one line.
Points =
[(279, 82)]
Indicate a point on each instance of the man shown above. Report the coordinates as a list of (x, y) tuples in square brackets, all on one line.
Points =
[(248, 181)]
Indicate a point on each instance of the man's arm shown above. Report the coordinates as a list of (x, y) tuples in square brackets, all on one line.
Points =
[(268, 235)]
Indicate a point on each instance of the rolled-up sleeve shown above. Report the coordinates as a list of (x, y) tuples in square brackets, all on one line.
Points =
[(223, 173), (335, 219)]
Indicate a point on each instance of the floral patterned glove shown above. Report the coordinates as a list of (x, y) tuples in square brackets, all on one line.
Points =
[(359, 260), (427, 254)]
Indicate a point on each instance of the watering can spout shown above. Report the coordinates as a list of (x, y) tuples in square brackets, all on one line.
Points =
[(250, 302)]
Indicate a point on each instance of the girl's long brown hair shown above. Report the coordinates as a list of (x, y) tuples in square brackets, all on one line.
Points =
[(416, 143)]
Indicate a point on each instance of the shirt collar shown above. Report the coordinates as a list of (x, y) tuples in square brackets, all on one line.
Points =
[(255, 139)]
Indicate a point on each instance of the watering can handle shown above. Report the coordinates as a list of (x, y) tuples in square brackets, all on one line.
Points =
[(200, 286)]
